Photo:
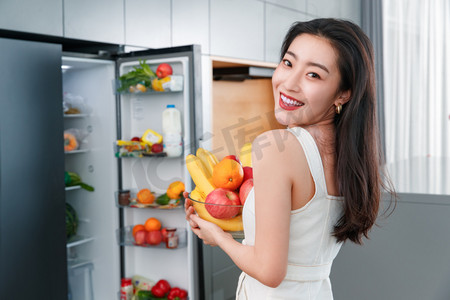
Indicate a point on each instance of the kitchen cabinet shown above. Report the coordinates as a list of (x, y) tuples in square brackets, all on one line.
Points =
[(346, 9), (298, 5), (28, 16), (148, 23), (235, 32), (278, 21), (406, 256), (241, 109), (351, 10), (190, 23), (95, 20), (324, 8)]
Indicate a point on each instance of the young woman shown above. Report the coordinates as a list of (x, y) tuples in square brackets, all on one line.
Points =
[(317, 183)]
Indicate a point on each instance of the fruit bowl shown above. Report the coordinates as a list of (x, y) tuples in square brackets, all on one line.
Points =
[(233, 225)]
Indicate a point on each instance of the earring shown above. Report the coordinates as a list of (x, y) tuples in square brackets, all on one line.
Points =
[(338, 108)]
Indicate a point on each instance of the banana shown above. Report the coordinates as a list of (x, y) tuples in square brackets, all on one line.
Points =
[(234, 224), (245, 155), (198, 195), (211, 157), (199, 174), (203, 158)]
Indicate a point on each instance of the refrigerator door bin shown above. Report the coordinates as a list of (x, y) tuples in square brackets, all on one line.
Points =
[(132, 202), (80, 282), (125, 238)]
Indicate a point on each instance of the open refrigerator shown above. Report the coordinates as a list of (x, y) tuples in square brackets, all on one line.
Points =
[(103, 250)]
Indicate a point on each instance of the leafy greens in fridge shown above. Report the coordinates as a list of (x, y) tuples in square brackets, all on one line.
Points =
[(140, 74)]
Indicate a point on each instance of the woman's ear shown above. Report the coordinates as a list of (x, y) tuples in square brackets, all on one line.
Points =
[(343, 97)]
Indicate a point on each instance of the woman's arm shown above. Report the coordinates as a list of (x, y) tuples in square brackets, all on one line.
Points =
[(266, 261)]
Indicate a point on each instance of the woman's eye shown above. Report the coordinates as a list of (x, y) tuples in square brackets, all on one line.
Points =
[(287, 63), (313, 75)]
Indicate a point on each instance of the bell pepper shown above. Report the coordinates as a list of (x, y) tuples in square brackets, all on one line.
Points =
[(177, 294), (161, 288), (183, 294)]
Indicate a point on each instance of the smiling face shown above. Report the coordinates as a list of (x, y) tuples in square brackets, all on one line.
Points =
[(306, 83)]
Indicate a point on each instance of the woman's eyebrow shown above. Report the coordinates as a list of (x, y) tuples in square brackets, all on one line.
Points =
[(309, 63)]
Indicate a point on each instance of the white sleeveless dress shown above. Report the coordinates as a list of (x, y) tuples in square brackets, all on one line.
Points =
[(312, 248)]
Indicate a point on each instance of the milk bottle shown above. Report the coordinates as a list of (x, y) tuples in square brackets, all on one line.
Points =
[(172, 132)]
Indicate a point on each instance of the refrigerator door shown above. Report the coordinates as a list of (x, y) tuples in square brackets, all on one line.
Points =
[(32, 208), (93, 257), (142, 111)]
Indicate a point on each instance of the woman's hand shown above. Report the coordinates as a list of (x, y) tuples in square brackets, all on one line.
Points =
[(207, 231), (189, 210)]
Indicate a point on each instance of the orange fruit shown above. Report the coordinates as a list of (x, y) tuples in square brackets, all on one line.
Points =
[(228, 174), (137, 228), (175, 189), (144, 196), (152, 224)]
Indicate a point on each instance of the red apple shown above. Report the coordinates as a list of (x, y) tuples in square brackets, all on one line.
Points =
[(154, 237), (246, 187), (248, 173), (163, 70), (157, 148), (140, 237), (136, 139), (221, 198), (233, 157)]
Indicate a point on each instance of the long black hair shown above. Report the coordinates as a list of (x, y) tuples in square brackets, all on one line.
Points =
[(358, 150)]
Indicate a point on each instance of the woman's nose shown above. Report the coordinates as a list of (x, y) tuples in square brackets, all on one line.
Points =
[(292, 82)]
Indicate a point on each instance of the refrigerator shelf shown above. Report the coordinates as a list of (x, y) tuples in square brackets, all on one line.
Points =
[(75, 116), (77, 262), (78, 240), (125, 238), (77, 151), (132, 202), (71, 188)]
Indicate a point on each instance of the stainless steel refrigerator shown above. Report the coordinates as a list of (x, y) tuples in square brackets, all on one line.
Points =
[(33, 246)]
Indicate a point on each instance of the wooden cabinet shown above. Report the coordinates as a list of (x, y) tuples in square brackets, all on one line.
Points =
[(94, 20), (43, 17), (241, 110), (237, 29)]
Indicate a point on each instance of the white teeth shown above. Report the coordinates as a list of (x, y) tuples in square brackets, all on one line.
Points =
[(290, 101)]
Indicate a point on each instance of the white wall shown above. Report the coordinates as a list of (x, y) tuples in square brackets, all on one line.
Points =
[(248, 29)]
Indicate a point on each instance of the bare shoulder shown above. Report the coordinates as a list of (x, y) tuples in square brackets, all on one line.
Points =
[(278, 145)]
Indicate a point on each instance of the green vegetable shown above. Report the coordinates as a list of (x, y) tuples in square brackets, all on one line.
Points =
[(71, 221), (163, 199), (147, 295), (142, 74), (72, 179), (67, 179)]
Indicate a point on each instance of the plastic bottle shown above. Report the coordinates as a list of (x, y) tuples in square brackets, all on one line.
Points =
[(126, 289), (172, 131)]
